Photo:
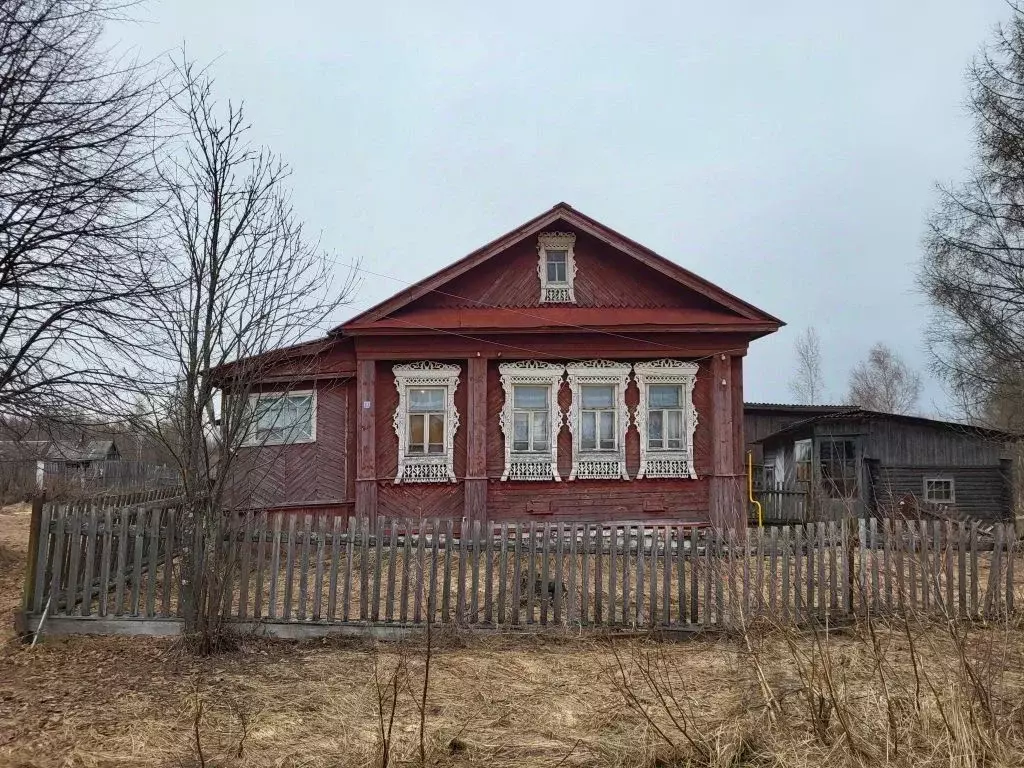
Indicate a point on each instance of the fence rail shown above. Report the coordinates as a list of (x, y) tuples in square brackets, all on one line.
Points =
[(107, 562)]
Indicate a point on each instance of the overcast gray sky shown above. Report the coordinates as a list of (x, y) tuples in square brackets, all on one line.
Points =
[(787, 151)]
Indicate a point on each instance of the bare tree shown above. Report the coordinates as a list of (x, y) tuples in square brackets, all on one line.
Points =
[(807, 384), (77, 193), (247, 283), (884, 382), (973, 265)]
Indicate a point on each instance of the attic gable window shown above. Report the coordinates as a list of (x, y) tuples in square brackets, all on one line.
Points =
[(666, 418), (425, 421), (557, 267)]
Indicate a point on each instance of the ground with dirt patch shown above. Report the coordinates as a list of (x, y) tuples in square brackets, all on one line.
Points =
[(769, 699)]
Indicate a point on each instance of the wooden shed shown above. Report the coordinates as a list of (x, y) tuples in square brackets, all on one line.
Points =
[(857, 462), (562, 371)]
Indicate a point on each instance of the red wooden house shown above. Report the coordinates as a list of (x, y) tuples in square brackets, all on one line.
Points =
[(562, 371)]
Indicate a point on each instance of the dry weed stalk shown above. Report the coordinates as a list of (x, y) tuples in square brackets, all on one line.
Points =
[(387, 705)]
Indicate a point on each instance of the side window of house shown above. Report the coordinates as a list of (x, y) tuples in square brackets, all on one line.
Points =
[(281, 419), (802, 460), (425, 421), (598, 419), (557, 267), (530, 419), (666, 417), (939, 490), (839, 468)]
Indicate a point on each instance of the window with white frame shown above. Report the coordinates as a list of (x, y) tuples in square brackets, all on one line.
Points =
[(425, 421), (598, 419), (282, 418), (939, 490), (530, 419), (557, 267), (666, 417)]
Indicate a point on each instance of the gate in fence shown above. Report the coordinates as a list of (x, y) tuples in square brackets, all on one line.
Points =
[(118, 569)]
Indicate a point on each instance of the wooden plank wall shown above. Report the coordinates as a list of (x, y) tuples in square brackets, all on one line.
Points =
[(99, 562)]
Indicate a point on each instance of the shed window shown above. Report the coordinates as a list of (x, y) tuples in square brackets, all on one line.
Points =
[(839, 468), (280, 419), (939, 490)]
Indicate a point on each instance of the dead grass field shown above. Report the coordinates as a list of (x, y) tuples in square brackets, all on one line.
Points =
[(774, 699)]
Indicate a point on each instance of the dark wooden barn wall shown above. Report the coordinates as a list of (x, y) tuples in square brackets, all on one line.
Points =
[(306, 472), (601, 281), (981, 492), (894, 443)]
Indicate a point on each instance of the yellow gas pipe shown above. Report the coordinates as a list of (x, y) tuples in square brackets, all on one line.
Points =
[(750, 489)]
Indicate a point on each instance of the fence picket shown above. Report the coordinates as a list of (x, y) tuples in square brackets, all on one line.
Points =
[(302, 611), (1009, 539), (474, 601), (584, 606), (598, 573), (108, 542), (446, 590), (140, 539), (350, 553), (377, 563), (488, 532), (516, 571), (421, 567), (89, 570), (332, 579), (403, 611), (389, 597), (556, 597), (627, 546), (320, 530), (612, 572), (460, 587), (502, 573), (571, 607), (545, 551), (73, 532), (289, 567), (435, 544), (151, 570)]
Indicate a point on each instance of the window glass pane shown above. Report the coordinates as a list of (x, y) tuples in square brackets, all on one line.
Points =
[(607, 429), (283, 419), (426, 399), (598, 396), (673, 429), (530, 397), (540, 430), (520, 431), (415, 434), (436, 433), (654, 429), (589, 439), (665, 396), (939, 490)]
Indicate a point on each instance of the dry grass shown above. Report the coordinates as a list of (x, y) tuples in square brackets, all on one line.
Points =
[(776, 699)]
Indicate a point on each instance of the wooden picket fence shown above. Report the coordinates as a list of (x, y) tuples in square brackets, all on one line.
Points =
[(314, 571)]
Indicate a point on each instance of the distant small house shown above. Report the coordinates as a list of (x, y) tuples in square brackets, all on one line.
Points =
[(856, 461), (83, 455)]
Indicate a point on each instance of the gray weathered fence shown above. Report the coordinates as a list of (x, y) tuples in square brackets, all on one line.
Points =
[(296, 574)]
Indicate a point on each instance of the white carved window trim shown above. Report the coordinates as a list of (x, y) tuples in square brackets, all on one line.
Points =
[(560, 292), (666, 463), (437, 468), (598, 465), (531, 466)]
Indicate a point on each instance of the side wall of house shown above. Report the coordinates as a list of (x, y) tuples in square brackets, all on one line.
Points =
[(317, 474)]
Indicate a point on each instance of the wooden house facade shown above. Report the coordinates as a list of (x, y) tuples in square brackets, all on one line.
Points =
[(562, 371)]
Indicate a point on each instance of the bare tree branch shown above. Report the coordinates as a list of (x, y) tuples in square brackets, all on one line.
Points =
[(807, 384)]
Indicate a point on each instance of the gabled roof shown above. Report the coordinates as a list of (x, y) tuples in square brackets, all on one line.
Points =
[(747, 314), (799, 408), (862, 414), (90, 450)]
